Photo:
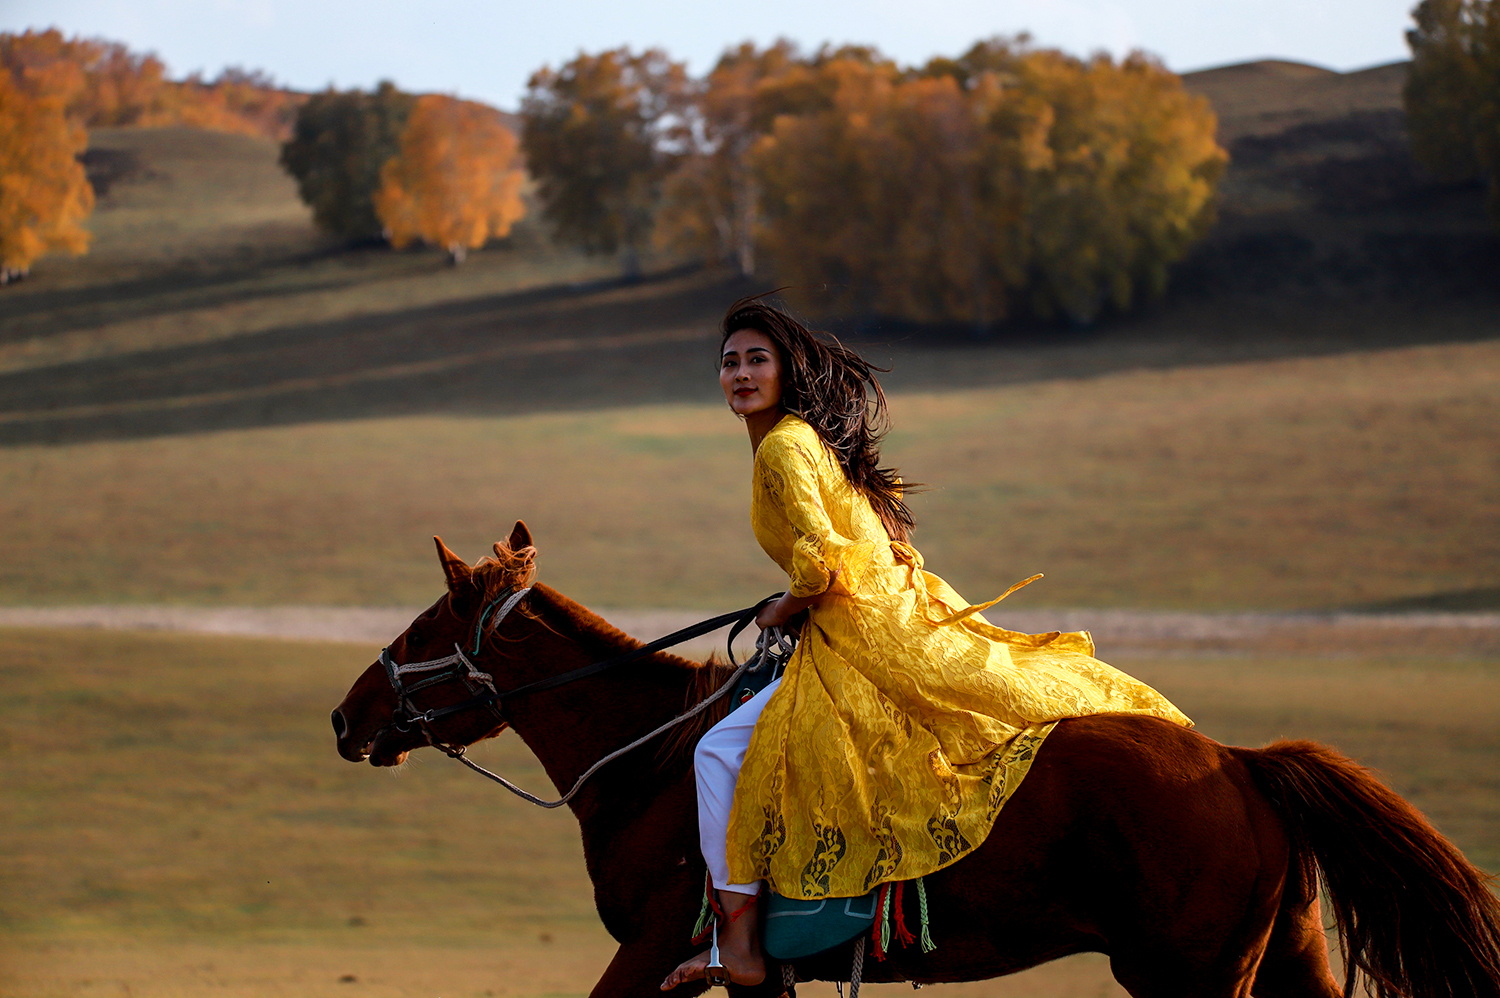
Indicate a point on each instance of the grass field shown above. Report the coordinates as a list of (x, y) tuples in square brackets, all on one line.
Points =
[(178, 823), (1350, 480)]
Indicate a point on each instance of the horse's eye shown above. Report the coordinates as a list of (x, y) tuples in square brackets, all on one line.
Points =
[(415, 640)]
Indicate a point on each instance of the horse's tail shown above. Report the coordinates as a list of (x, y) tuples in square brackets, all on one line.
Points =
[(1414, 916)]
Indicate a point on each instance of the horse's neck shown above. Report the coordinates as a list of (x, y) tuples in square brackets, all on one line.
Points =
[(570, 730)]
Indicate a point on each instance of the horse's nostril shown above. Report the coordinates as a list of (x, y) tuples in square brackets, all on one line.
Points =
[(340, 729)]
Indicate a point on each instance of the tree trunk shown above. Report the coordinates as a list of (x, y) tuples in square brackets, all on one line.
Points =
[(630, 262)]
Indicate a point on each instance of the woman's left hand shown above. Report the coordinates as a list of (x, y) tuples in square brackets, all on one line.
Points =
[(778, 613)]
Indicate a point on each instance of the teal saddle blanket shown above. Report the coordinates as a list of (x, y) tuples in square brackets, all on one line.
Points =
[(796, 929)]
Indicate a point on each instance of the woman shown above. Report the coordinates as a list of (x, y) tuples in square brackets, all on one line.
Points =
[(905, 720)]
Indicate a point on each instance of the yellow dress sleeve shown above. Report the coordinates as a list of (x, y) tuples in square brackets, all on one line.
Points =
[(789, 471)]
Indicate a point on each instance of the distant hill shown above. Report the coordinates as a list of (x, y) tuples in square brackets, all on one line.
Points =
[(1322, 195), (1272, 95)]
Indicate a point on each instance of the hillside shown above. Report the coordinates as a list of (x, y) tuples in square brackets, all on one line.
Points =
[(1272, 95), (183, 195), (1323, 199)]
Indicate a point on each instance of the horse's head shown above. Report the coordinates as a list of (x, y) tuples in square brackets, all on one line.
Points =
[(370, 723)]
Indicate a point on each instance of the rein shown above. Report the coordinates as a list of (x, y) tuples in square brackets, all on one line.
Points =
[(772, 648)]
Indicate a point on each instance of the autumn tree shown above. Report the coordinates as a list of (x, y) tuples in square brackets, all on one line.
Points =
[(1007, 178), (340, 144), (44, 195), (601, 134), (1122, 183), (1453, 91), (116, 87), (455, 182), (712, 200), (107, 83), (712, 206)]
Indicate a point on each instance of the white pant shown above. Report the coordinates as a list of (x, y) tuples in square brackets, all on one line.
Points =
[(716, 766)]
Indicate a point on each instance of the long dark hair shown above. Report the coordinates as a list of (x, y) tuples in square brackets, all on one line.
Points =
[(835, 390)]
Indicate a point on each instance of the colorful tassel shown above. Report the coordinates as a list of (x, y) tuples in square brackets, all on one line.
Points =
[(903, 935), (707, 913), (885, 920), (927, 944)]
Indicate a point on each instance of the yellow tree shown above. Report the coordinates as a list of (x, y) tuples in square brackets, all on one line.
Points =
[(1122, 181), (109, 85), (1004, 177), (455, 183), (44, 194)]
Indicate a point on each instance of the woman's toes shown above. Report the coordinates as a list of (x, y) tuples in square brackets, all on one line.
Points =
[(685, 972)]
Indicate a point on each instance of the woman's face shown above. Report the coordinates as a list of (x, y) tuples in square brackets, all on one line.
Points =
[(750, 372)]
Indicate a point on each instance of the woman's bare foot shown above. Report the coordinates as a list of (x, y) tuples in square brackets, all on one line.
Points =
[(739, 946)]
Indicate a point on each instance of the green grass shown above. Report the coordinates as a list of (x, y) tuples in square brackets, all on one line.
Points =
[(1347, 480), (177, 821)]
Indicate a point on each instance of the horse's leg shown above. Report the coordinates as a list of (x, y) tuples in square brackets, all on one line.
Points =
[(1296, 960), (1197, 885), (1208, 945), (639, 966)]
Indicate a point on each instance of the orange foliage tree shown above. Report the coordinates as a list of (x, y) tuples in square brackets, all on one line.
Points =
[(44, 194), (116, 87), (894, 196), (1007, 178), (713, 200), (455, 183)]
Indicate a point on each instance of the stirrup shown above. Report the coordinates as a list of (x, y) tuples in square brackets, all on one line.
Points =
[(715, 973)]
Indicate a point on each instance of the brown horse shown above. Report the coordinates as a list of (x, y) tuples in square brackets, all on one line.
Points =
[(1193, 865)]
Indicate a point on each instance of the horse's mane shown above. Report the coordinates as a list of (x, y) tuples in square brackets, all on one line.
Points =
[(702, 681), (516, 568), (508, 569)]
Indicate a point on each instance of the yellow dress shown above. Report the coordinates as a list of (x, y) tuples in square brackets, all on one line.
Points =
[(903, 724)]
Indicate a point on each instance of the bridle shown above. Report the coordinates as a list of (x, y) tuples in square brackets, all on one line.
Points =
[(458, 666), (772, 649)]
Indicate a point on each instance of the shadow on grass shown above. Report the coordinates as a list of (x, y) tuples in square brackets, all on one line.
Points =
[(613, 343), (210, 284), (1456, 601)]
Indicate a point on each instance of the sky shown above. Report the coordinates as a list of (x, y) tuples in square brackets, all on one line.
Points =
[(487, 50)]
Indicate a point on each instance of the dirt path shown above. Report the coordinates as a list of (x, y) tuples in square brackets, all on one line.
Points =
[(1115, 631)]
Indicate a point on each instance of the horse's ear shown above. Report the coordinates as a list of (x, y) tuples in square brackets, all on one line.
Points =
[(454, 567), (520, 537)]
